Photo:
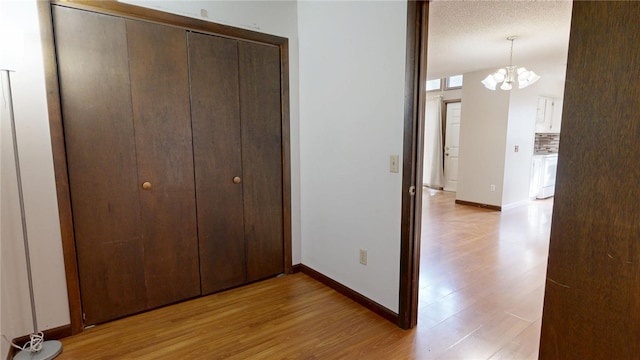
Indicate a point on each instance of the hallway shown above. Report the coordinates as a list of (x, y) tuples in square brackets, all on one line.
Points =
[(482, 278)]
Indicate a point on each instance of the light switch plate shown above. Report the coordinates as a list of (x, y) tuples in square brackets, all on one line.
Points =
[(394, 163), (363, 256)]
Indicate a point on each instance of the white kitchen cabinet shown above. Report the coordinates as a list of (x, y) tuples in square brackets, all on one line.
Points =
[(549, 115)]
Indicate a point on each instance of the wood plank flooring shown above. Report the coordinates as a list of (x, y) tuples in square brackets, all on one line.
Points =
[(481, 289), (482, 277)]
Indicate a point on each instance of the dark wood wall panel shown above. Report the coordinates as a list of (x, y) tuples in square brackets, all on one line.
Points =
[(218, 159), (96, 105), (261, 158), (162, 118), (592, 299)]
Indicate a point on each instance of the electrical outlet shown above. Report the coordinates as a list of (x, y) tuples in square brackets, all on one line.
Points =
[(363, 257), (394, 165), (516, 148), (492, 187)]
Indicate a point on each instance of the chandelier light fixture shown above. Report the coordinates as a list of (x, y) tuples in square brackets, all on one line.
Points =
[(509, 74)]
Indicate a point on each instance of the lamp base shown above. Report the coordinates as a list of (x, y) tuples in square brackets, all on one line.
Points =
[(50, 349)]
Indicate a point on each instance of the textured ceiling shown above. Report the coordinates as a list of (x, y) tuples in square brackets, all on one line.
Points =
[(466, 36)]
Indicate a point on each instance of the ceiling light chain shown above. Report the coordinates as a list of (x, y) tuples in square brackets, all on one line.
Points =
[(507, 75), (511, 38)]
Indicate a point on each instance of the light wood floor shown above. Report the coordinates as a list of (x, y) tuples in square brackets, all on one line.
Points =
[(481, 288), (482, 276)]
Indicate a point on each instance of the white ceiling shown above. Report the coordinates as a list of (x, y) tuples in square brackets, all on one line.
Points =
[(466, 36)]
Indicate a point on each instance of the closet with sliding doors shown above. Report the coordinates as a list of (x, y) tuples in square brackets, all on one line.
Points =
[(175, 156)]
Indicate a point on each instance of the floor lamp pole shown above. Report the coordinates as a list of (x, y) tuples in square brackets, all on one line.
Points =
[(49, 349)]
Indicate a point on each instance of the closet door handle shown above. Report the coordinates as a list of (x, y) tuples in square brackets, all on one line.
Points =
[(237, 180), (146, 185)]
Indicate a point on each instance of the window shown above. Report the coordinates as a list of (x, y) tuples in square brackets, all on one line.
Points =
[(453, 82), (435, 84)]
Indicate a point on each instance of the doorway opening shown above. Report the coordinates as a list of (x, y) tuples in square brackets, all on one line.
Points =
[(442, 143), (452, 110), (481, 271)]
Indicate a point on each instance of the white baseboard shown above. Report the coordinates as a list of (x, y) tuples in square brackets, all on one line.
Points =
[(515, 204)]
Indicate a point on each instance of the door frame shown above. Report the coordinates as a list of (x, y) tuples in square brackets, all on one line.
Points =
[(112, 7), (412, 159)]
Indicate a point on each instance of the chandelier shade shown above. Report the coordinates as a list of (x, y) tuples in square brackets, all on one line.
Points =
[(508, 75)]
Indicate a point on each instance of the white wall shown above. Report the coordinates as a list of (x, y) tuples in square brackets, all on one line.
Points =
[(520, 132), (3, 164), (352, 68), (15, 318), (449, 94), (553, 73), (483, 134), (19, 20), (493, 123), (270, 17)]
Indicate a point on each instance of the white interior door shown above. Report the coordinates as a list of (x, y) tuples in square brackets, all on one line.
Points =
[(452, 145)]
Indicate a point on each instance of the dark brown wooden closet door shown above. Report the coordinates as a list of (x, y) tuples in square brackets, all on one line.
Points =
[(99, 136), (260, 109), (161, 114), (217, 151)]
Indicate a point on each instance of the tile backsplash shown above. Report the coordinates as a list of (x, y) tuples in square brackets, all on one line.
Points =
[(546, 143)]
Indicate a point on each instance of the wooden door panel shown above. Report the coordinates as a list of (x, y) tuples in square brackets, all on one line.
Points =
[(592, 294), (161, 112), (94, 75), (112, 277), (217, 158), (260, 108), (171, 258)]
